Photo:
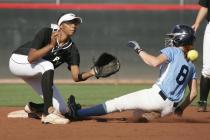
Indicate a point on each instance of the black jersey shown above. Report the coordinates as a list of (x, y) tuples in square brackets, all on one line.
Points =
[(206, 3), (67, 53)]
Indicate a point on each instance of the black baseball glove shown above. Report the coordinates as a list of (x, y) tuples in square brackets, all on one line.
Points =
[(106, 65)]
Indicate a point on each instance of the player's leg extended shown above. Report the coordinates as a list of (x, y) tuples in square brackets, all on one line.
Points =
[(147, 100)]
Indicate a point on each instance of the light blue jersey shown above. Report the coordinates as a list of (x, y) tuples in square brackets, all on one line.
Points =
[(175, 74)]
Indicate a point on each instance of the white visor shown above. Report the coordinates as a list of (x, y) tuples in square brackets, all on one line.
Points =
[(68, 17)]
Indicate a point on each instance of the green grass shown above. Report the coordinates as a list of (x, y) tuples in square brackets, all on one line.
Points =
[(20, 94)]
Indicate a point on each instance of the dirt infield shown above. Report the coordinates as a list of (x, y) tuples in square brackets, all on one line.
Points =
[(116, 126)]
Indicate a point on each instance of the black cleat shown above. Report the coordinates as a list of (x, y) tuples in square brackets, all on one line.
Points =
[(202, 106), (72, 108)]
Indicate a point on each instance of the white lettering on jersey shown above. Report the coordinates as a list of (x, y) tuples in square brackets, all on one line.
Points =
[(56, 59)]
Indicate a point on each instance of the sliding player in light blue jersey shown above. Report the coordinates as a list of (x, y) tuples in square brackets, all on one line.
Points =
[(166, 96)]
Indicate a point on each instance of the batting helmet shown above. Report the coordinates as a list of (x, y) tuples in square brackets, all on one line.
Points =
[(182, 35)]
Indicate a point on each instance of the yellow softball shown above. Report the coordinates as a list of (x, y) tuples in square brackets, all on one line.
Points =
[(192, 55)]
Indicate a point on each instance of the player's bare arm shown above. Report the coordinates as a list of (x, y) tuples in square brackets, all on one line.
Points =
[(200, 17), (35, 54), (190, 97), (77, 76), (151, 60)]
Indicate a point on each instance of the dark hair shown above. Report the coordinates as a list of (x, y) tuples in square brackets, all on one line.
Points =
[(61, 16)]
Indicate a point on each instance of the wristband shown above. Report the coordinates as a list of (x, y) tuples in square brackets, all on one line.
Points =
[(138, 50), (80, 77)]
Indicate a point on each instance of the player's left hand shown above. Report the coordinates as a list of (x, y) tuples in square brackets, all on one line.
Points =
[(54, 37), (106, 65), (178, 111), (134, 45)]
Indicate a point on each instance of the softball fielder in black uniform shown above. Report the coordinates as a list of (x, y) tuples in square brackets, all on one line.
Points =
[(35, 62), (204, 13)]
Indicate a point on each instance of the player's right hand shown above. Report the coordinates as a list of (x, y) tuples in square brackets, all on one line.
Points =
[(195, 27), (134, 45), (54, 37)]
